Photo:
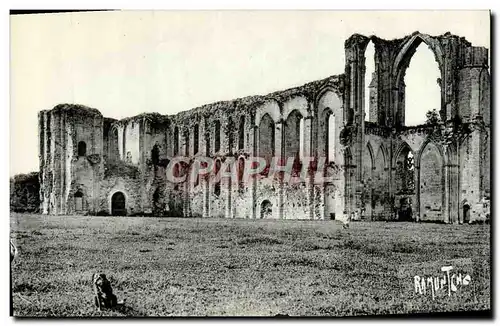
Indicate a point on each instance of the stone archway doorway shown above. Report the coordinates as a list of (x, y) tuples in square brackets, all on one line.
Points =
[(118, 204), (466, 213)]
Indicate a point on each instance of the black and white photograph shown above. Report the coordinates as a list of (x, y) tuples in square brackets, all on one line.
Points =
[(250, 163)]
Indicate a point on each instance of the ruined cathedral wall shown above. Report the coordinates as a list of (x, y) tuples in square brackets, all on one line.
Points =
[(318, 106), (129, 167), (222, 138), (223, 132), (155, 163)]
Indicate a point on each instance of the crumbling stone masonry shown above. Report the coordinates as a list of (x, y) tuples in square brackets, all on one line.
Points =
[(381, 169)]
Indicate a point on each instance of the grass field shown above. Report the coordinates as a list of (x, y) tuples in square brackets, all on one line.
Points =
[(214, 267)]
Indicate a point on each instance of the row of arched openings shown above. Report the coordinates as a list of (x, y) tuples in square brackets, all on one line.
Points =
[(430, 180), (418, 85), (216, 137), (118, 207), (294, 136)]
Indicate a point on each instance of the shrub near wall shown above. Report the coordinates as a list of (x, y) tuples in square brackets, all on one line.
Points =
[(25, 193)]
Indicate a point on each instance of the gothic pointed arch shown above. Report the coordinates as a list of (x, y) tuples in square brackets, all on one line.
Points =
[(439, 148), (271, 108), (382, 151), (295, 104), (399, 69), (404, 164), (408, 49), (266, 137), (371, 155), (432, 182)]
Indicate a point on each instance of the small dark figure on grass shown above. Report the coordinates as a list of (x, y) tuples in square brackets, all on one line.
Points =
[(103, 292)]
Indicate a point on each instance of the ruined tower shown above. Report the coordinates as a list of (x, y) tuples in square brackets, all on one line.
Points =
[(71, 146)]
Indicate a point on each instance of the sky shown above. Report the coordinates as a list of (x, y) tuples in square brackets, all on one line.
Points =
[(129, 62)]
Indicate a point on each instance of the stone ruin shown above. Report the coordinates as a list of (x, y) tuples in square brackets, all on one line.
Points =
[(380, 168)]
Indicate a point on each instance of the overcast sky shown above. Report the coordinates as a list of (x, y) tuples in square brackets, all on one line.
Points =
[(126, 63)]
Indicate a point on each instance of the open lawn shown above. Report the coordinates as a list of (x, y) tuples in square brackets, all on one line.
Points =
[(199, 267)]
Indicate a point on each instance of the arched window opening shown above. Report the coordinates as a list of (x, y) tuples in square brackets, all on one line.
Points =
[(330, 143), (241, 133), (266, 209), (78, 201), (196, 139), (186, 137), (177, 170), (230, 134), (208, 145), (118, 207), (293, 135), (155, 154), (241, 170), (420, 90), (266, 138), (217, 181), (217, 136), (82, 148), (466, 213), (370, 100), (405, 172), (176, 141), (294, 139)]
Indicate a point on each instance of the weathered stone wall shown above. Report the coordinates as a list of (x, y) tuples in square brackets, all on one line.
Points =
[(297, 203)]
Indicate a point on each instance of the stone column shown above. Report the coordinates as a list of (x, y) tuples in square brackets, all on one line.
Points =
[(416, 214), (307, 136), (253, 188), (453, 194), (308, 152), (446, 208), (228, 198), (57, 161), (202, 144), (63, 148), (206, 202), (396, 106), (390, 178), (446, 197)]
